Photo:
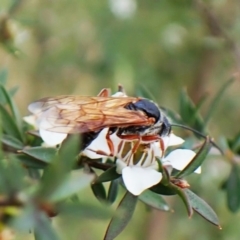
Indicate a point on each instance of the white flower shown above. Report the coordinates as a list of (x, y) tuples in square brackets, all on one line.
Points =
[(31, 120), (179, 159), (139, 170), (141, 174), (50, 139)]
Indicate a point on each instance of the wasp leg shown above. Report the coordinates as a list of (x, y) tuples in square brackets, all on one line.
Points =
[(129, 137), (110, 144), (151, 138), (100, 152)]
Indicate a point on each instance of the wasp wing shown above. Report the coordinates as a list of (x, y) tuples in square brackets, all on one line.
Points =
[(79, 114)]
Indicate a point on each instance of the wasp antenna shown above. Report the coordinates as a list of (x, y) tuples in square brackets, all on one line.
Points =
[(199, 134)]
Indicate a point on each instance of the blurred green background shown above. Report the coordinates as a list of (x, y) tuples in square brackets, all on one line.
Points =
[(79, 47)]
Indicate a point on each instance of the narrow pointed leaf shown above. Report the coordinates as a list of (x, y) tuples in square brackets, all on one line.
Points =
[(235, 144), (11, 142), (108, 175), (143, 91), (154, 200), (202, 208), (99, 191), (12, 91), (181, 193), (189, 112), (163, 190), (30, 162), (43, 154), (3, 76), (113, 191), (12, 105), (60, 167), (85, 210), (43, 229), (197, 160), (232, 188), (9, 125), (216, 100), (174, 116), (11, 176), (73, 184), (118, 223)]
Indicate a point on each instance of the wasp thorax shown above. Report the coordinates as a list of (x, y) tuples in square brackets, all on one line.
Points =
[(147, 106), (160, 125)]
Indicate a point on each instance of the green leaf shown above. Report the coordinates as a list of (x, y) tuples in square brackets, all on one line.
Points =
[(12, 106), (181, 193), (201, 207), (11, 175), (235, 143), (43, 229), (232, 188), (99, 191), (84, 210), (30, 162), (216, 100), (113, 191), (3, 76), (175, 117), (108, 175), (34, 174), (190, 113), (25, 220), (57, 172), (118, 223), (3, 99), (43, 154), (154, 200), (12, 91), (11, 142), (197, 160), (73, 184), (163, 190), (223, 143), (9, 125), (142, 91)]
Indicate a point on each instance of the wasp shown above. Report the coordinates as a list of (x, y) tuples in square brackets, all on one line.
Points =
[(132, 119)]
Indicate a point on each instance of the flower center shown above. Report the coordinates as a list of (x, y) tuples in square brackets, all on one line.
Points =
[(144, 155)]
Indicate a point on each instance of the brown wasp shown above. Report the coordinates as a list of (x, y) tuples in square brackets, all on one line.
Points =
[(132, 119)]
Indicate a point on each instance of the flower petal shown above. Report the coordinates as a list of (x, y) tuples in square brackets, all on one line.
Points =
[(52, 138), (31, 120), (157, 151), (119, 94), (180, 158), (174, 140), (120, 166), (138, 179), (98, 144)]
